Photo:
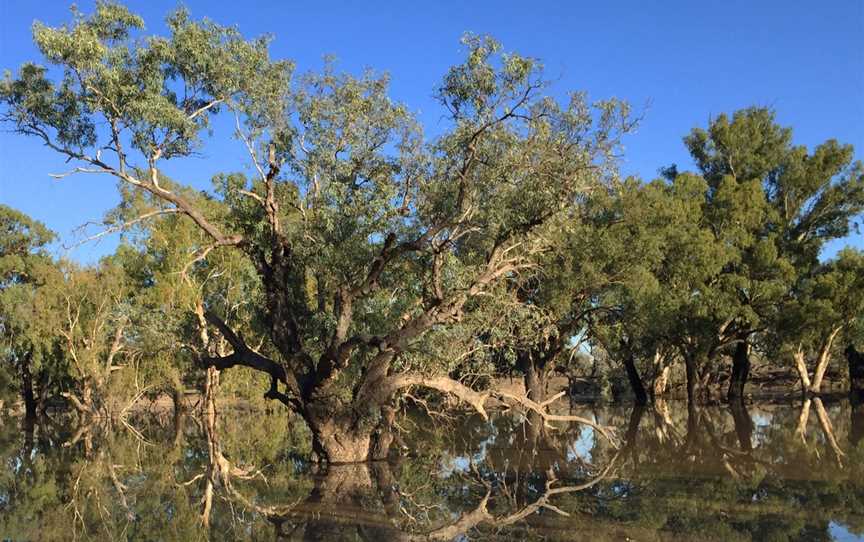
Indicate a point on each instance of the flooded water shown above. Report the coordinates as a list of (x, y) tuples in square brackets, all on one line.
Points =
[(770, 472)]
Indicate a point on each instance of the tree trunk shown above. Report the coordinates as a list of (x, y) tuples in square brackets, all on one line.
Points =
[(636, 385), (740, 371), (803, 416), (664, 426), (856, 370), (330, 512), (336, 445), (694, 418), (30, 404), (661, 377), (177, 400), (535, 376), (828, 430), (692, 378), (179, 427), (801, 367), (338, 437), (636, 415), (824, 359)]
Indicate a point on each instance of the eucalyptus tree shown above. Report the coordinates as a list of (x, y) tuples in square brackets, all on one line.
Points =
[(658, 229), (537, 318), (590, 286), (86, 312), (365, 237), (25, 266), (825, 313), (772, 206)]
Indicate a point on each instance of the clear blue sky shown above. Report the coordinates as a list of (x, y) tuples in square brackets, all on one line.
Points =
[(687, 59)]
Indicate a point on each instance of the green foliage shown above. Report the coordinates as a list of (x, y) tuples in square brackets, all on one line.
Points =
[(25, 267), (831, 299)]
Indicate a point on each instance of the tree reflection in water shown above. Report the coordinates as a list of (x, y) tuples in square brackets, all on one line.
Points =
[(731, 472)]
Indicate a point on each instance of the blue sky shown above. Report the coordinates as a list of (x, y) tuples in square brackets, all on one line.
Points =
[(680, 62)]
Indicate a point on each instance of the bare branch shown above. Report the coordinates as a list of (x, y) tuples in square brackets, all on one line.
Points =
[(125, 225), (204, 108)]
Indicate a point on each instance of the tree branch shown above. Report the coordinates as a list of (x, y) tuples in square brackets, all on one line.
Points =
[(246, 357), (385, 389)]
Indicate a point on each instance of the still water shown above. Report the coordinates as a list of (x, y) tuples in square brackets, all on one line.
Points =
[(762, 472)]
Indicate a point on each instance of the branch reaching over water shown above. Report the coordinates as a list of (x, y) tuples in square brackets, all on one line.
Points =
[(477, 400)]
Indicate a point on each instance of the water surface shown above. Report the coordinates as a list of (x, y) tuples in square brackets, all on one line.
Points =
[(769, 472)]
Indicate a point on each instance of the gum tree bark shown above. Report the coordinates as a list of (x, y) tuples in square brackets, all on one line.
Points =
[(661, 376)]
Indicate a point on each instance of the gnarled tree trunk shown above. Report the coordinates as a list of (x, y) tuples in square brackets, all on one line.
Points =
[(535, 375), (336, 441), (341, 434)]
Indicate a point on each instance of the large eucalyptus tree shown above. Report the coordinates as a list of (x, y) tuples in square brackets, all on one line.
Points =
[(365, 237)]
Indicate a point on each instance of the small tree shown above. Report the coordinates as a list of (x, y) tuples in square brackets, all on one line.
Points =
[(826, 310), (25, 266), (86, 313)]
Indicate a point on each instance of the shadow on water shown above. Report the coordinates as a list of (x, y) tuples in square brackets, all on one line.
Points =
[(727, 472)]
